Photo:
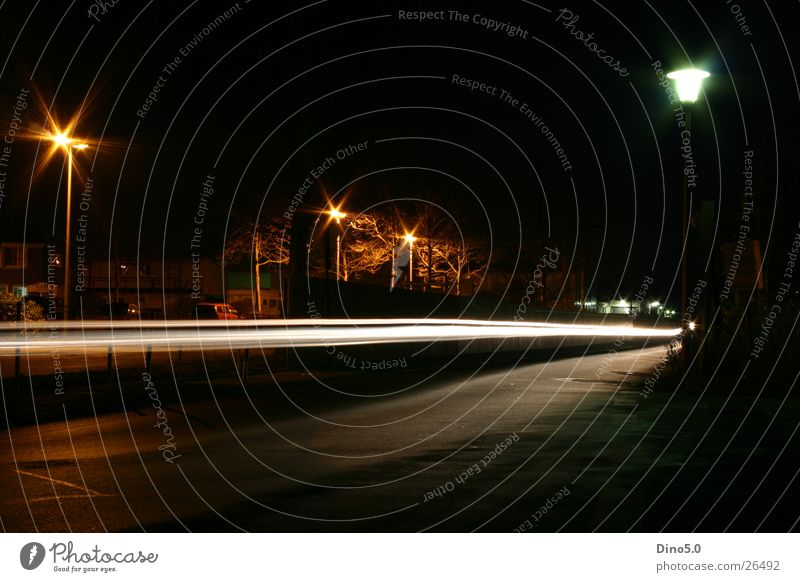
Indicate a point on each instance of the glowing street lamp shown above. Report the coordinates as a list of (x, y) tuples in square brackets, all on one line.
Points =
[(410, 238), (337, 215), (688, 83), (67, 144)]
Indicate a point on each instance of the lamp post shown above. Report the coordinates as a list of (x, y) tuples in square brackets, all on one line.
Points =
[(337, 215), (688, 83), (410, 238), (333, 213), (67, 144)]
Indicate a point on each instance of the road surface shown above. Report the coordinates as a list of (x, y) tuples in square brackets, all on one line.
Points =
[(565, 445)]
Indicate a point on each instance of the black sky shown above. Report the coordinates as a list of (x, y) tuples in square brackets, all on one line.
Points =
[(277, 88)]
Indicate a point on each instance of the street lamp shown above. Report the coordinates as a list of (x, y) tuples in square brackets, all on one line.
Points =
[(410, 238), (67, 144), (337, 215), (688, 83)]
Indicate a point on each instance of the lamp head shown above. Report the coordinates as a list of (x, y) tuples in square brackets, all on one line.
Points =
[(61, 139), (688, 83), (336, 214)]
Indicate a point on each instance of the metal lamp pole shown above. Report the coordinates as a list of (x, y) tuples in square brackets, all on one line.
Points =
[(410, 238), (68, 144), (688, 82)]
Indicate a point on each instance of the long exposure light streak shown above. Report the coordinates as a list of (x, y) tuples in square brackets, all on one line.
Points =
[(298, 333)]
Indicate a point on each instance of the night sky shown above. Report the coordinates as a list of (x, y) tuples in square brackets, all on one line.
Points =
[(259, 94)]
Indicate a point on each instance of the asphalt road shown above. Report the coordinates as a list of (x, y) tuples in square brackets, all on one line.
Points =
[(566, 445)]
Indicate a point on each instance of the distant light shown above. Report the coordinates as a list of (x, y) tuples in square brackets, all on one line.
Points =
[(692, 326), (410, 238), (655, 304), (61, 139), (336, 214), (688, 82)]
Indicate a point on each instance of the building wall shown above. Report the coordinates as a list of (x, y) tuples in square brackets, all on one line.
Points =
[(169, 287), (241, 293), (23, 266)]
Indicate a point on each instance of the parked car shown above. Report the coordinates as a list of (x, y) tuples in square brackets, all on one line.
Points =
[(215, 311)]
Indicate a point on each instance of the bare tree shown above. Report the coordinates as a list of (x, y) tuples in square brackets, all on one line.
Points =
[(442, 250), (367, 244), (265, 243), (452, 259), (433, 226), (367, 241)]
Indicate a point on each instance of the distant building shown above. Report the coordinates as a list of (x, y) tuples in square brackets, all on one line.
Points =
[(240, 292), (159, 288), (24, 269), (616, 307), (619, 306)]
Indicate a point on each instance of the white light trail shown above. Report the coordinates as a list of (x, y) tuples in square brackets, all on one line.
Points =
[(297, 333)]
